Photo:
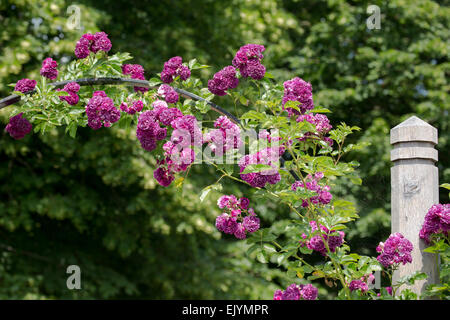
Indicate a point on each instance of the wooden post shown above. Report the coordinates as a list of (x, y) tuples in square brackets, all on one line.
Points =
[(414, 189)]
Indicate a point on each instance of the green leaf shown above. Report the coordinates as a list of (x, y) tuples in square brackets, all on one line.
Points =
[(253, 115), (410, 279), (321, 110), (72, 130), (243, 100), (445, 185), (305, 250), (153, 82), (206, 190), (251, 168), (77, 111)]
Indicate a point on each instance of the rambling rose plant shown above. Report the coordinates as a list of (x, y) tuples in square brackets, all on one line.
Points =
[(169, 123), (435, 233)]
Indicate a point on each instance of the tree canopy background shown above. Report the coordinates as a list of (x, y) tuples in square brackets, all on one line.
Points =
[(92, 201)]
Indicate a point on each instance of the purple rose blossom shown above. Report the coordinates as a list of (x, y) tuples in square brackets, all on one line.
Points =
[(167, 115), (136, 71), (316, 242), (229, 202), (239, 233), (158, 106), (168, 93), (297, 292), (253, 69), (278, 295), (299, 90), (236, 219), (395, 250), (173, 68), (178, 156), (223, 80), (251, 223), (187, 130), (229, 225), (25, 85), (18, 127), (358, 285), (220, 221), (312, 183), (48, 69), (248, 60), (71, 88), (292, 292), (226, 137), (101, 111), (163, 176), (269, 156), (309, 292), (92, 43), (136, 106), (148, 130), (437, 220), (82, 48), (244, 202), (321, 121), (101, 42)]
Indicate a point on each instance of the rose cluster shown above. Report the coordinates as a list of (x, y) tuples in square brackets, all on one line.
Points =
[(148, 130), (173, 68), (248, 60), (18, 127), (178, 152), (321, 121), (297, 292), (437, 220), (322, 124), (312, 183), (101, 111), (92, 43), (362, 284), (238, 218), (137, 72), (71, 88), (269, 156), (136, 106), (168, 93), (316, 242), (299, 90), (227, 136), (395, 250), (25, 85), (48, 69), (269, 136), (223, 80)]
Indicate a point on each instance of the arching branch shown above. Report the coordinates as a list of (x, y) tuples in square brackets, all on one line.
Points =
[(14, 98)]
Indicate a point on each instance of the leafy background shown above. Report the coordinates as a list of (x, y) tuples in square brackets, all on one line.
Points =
[(92, 201)]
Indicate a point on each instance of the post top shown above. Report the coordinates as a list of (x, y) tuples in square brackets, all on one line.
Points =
[(414, 129)]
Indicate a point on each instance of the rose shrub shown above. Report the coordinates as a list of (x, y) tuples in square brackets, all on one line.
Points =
[(171, 124)]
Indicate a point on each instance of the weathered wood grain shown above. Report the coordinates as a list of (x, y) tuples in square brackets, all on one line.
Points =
[(414, 189)]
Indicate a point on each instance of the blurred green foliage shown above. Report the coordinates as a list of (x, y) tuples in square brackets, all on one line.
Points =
[(93, 201)]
